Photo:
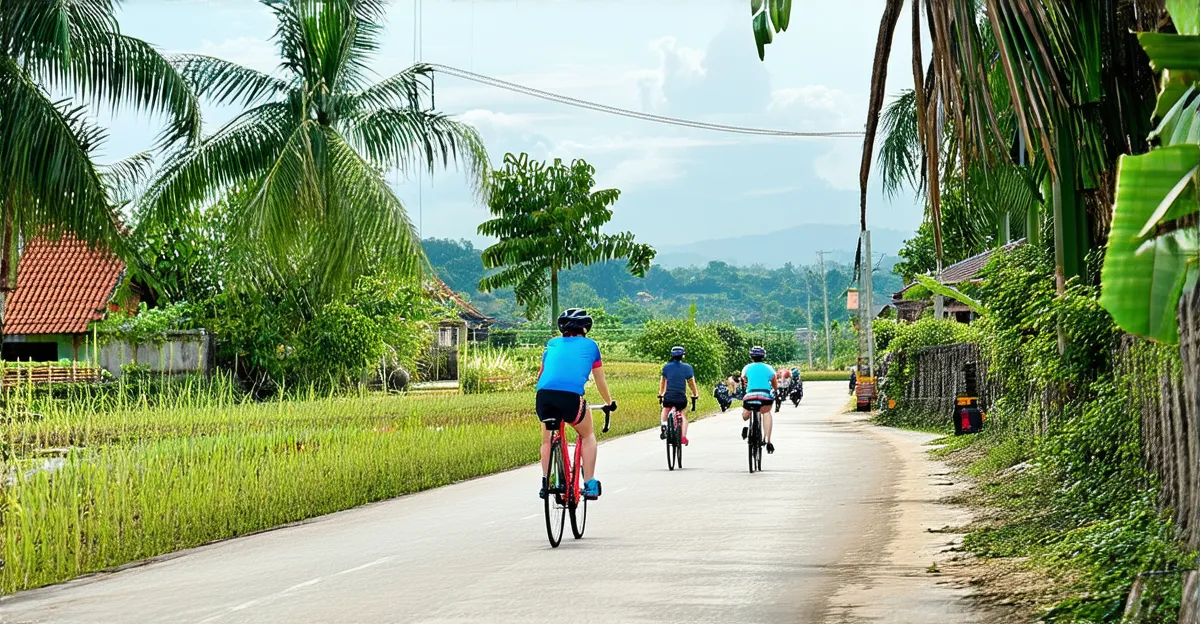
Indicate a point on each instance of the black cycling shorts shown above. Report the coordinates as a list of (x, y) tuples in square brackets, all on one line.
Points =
[(555, 406), (678, 402)]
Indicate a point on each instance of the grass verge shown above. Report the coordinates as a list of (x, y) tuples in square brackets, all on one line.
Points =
[(1084, 544), (148, 480)]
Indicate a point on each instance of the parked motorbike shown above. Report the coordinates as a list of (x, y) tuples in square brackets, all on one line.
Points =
[(722, 395)]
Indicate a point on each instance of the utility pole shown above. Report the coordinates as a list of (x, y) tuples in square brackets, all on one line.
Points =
[(825, 298), (808, 338)]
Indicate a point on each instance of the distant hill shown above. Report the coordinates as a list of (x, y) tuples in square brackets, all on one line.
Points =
[(797, 245)]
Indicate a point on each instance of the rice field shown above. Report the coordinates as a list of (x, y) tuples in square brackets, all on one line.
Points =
[(85, 486)]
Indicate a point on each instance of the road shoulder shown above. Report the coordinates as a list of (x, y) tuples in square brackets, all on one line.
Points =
[(909, 575)]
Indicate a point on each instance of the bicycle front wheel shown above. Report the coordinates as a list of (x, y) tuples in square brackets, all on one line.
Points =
[(679, 456), (556, 497)]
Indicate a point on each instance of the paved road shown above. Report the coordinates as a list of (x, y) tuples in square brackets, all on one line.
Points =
[(709, 544)]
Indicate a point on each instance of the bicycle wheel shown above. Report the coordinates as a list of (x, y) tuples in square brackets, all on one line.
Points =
[(672, 436), (556, 498), (579, 518), (679, 456), (758, 448), (752, 440)]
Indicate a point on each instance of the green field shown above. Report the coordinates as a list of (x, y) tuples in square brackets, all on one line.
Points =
[(90, 489)]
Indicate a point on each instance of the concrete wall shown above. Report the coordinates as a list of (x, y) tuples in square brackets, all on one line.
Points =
[(183, 352)]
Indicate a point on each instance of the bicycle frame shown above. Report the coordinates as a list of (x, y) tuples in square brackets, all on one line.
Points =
[(574, 488), (574, 485)]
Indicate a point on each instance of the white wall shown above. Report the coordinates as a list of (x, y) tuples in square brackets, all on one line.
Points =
[(183, 352)]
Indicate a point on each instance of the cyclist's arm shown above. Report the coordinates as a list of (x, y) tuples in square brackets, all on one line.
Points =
[(662, 386), (602, 384), (692, 385)]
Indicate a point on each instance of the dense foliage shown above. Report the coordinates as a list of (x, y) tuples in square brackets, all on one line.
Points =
[(779, 297), (271, 342), (705, 349), (1080, 501)]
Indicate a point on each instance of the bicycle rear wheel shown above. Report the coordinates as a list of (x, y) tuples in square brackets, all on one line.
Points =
[(752, 440), (579, 518), (556, 497), (758, 448), (672, 436), (679, 456)]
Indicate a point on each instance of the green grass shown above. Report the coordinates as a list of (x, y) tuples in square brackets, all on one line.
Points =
[(827, 375), (146, 480)]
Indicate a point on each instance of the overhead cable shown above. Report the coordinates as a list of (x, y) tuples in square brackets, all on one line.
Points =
[(624, 112)]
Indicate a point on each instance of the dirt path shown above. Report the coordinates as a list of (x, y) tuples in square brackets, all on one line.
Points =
[(903, 571)]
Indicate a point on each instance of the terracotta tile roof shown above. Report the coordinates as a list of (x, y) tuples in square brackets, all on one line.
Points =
[(466, 311), (969, 269), (62, 285)]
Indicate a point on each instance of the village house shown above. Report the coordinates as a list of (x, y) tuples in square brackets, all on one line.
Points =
[(62, 287)]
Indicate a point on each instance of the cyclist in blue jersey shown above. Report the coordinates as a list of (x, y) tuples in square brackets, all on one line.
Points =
[(677, 378), (566, 364), (759, 379)]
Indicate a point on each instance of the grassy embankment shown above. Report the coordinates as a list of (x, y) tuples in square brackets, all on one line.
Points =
[(141, 480)]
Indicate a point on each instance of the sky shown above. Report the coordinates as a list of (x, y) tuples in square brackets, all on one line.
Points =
[(693, 59)]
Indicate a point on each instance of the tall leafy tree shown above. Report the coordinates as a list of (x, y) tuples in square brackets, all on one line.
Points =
[(57, 58), (302, 168), (548, 219)]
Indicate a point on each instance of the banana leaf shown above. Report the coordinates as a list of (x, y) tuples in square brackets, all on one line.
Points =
[(1144, 275), (949, 291)]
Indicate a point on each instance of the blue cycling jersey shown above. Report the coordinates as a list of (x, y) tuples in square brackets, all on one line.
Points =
[(758, 376), (677, 373), (567, 362)]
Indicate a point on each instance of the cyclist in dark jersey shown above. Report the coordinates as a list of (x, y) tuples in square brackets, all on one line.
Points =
[(566, 364), (677, 378)]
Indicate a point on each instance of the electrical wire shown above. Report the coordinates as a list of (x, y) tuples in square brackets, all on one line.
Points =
[(623, 112)]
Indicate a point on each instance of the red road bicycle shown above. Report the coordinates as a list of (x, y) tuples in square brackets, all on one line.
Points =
[(564, 492)]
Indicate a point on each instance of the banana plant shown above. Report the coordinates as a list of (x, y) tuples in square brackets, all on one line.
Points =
[(1152, 255)]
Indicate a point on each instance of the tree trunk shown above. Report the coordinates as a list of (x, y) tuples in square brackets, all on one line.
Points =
[(553, 296), (1069, 217), (8, 256)]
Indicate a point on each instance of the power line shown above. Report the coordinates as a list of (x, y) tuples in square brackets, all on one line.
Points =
[(624, 112)]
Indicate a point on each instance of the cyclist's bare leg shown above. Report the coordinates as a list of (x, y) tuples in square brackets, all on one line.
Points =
[(587, 446), (766, 418), (546, 436), (683, 431), (665, 411)]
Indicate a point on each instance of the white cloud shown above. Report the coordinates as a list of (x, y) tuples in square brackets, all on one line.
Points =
[(675, 63), (839, 166), (483, 118), (648, 169), (772, 192), (252, 52)]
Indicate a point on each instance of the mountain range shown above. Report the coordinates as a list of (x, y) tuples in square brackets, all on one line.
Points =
[(797, 245)]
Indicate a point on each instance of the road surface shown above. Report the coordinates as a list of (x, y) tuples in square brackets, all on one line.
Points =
[(710, 543)]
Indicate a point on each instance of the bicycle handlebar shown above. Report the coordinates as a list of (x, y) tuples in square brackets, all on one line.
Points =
[(608, 410)]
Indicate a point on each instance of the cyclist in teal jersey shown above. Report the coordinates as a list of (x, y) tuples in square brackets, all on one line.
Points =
[(759, 379)]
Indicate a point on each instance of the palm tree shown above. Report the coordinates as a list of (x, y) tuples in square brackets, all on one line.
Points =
[(1066, 80), (49, 184), (303, 166), (548, 219)]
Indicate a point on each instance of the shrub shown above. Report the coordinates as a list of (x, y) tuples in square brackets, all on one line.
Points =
[(502, 338), (735, 343), (705, 351), (341, 345)]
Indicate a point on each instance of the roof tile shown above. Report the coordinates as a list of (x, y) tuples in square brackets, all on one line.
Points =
[(62, 285)]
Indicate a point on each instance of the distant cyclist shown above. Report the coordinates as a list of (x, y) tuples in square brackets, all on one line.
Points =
[(783, 382), (566, 364), (677, 379), (759, 379)]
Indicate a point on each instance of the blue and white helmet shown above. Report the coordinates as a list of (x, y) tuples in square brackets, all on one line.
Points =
[(678, 352), (757, 353)]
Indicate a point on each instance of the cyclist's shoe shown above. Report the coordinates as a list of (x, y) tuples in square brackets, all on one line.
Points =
[(545, 487), (684, 440), (770, 448), (662, 432), (591, 489), (745, 432)]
